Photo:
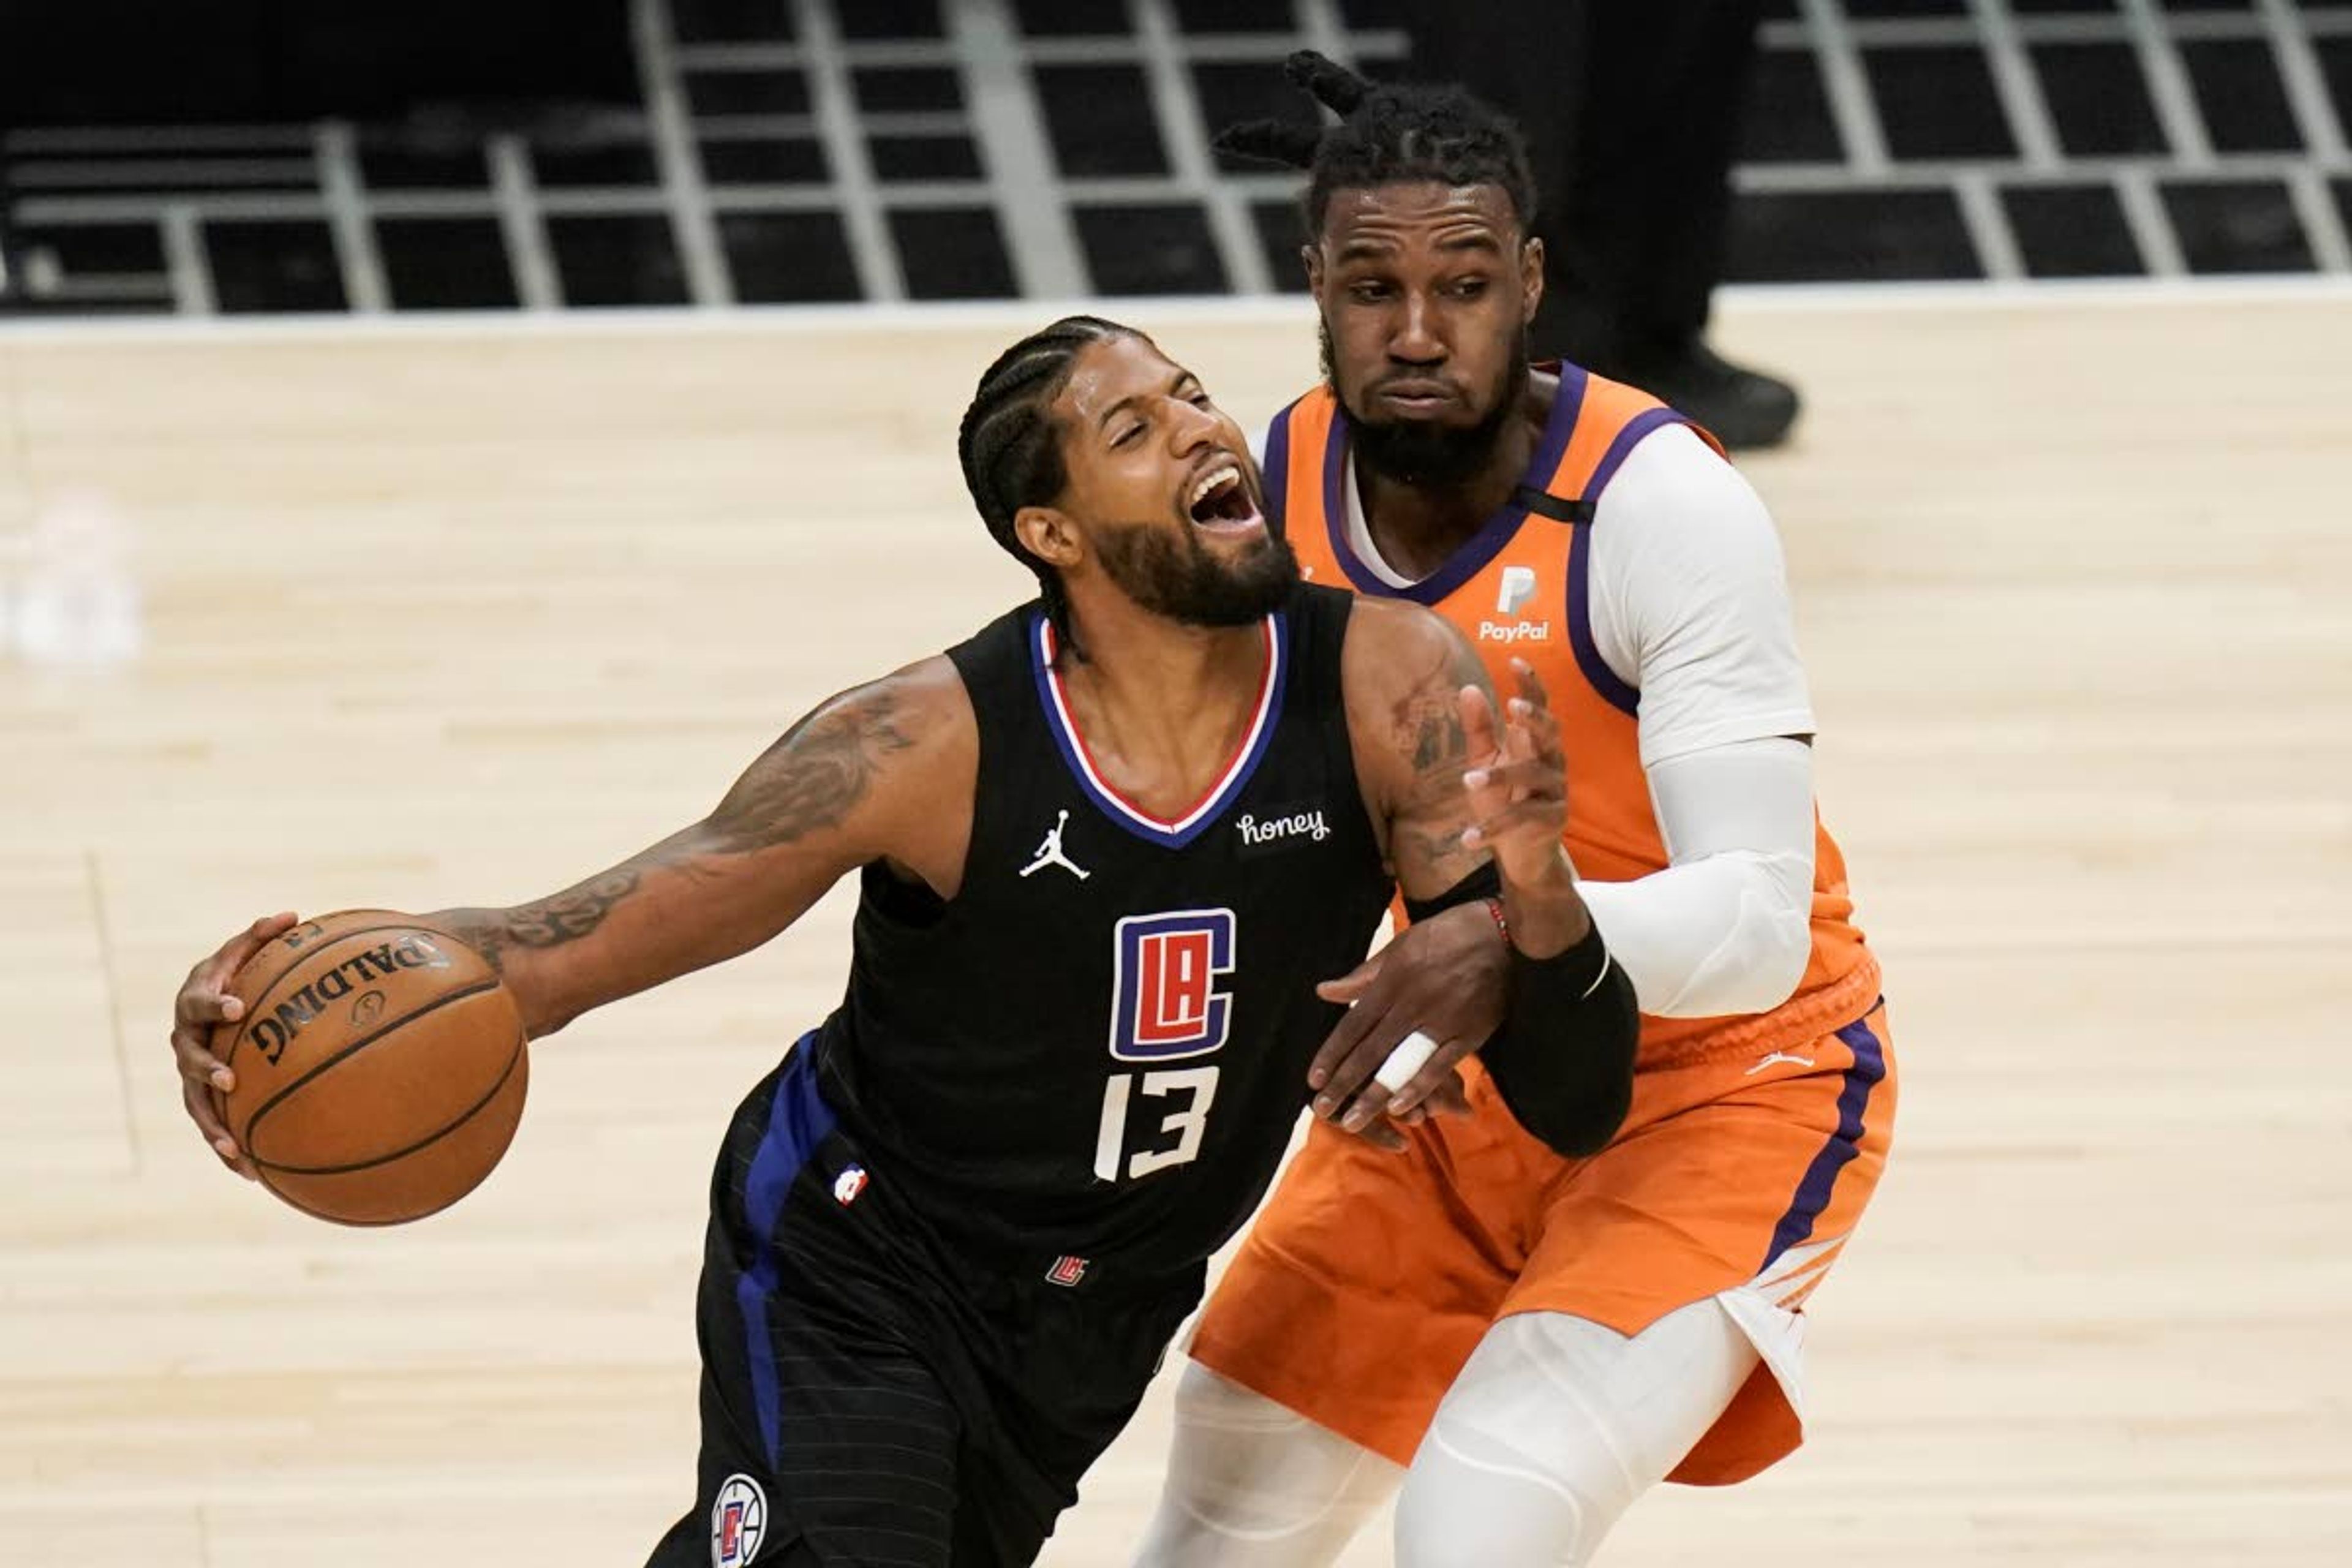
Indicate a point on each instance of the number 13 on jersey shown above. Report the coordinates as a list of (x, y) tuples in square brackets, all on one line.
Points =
[(1166, 1004)]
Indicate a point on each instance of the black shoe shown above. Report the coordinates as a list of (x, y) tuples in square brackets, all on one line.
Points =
[(1745, 409)]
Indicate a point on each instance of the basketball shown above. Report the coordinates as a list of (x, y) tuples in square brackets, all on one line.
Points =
[(379, 1068)]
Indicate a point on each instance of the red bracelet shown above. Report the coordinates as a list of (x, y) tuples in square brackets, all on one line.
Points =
[(1502, 923)]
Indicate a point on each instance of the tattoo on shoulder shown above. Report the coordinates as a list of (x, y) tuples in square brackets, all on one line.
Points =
[(810, 779)]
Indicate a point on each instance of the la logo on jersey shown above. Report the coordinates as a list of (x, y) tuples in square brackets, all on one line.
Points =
[(739, 1521), (1165, 1000)]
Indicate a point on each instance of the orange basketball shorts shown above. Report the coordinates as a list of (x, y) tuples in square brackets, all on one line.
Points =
[(1370, 1276)]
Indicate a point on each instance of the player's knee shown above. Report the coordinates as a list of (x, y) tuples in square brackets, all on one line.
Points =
[(1251, 1482), (1471, 1501), (1552, 1429)]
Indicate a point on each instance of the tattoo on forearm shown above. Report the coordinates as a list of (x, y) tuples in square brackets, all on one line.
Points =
[(554, 922), (1440, 856), (550, 923), (810, 779)]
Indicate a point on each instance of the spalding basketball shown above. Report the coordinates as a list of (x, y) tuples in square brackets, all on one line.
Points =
[(379, 1068)]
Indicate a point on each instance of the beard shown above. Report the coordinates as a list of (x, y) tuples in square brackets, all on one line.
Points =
[(1424, 454), (1181, 578)]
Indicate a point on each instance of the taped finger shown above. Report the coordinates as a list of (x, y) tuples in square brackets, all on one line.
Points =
[(1412, 1054)]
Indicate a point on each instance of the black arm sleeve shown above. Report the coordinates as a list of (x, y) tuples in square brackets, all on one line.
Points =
[(1485, 882), (1563, 1059)]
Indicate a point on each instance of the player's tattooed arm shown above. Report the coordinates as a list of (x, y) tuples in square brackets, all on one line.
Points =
[(1405, 670), (1427, 849), (1451, 779), (872, 774), (1456, 775), (816, 775)]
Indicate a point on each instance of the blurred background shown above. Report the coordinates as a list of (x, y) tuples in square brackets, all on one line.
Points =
[(261, 155)]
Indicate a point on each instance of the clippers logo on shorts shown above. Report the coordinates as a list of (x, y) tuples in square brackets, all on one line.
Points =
[(1165, 1002), (739, 1521), (1067, 1270), (848, 1184)]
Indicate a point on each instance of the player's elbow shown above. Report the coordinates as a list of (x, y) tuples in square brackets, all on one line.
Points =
[(1776, 950), (1762, 954)]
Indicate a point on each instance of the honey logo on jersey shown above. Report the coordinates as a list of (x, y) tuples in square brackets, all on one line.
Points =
[(1165, 997), (1281, 827)]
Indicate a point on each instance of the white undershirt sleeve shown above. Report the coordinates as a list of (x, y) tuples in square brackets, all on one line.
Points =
[(1690, 602), (1726, 927)]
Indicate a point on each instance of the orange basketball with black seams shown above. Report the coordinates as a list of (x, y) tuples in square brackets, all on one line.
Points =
[(380, 1067)]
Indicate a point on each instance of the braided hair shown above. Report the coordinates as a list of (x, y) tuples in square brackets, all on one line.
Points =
[(1012, 447), (1387, 134)]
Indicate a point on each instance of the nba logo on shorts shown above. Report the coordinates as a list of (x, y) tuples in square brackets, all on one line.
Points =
[(848, 1184), (739, 1521), (1164, 1001)]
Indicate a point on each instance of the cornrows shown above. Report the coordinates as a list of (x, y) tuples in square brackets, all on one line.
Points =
[(1387, 135), (1011, 449)]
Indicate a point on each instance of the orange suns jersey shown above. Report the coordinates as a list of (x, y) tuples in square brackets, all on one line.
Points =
[(1518, 588)]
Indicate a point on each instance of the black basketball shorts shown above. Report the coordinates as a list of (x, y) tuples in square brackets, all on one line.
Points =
[(870, 1397)]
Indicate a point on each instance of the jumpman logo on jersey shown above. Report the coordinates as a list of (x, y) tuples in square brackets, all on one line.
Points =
[(1771, 1057), (1049, 853)]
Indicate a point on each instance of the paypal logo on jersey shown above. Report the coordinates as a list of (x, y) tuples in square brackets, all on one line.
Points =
[(1514, 631), (1518, 588)]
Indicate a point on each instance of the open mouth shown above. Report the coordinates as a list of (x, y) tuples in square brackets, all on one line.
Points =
[(1220, 498)]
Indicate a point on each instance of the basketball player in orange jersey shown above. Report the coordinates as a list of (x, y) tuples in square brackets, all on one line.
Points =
[(1523, 1341), (1106, 848)]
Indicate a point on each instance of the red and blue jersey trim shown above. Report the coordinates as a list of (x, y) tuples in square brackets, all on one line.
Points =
[(1179, 831)]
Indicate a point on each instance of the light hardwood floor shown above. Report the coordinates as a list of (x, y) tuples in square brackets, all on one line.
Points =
[(455, 616)]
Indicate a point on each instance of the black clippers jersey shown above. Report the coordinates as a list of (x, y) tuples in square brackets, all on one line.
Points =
[(1098, 1050)]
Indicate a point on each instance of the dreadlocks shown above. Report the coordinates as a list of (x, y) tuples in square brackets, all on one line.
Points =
[(1012, 449), (1387, 135)]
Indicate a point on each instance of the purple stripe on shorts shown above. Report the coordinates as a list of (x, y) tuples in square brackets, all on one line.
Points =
[(1814, 1193)]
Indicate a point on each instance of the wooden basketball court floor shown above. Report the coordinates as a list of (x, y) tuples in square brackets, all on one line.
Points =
[(455, 613)]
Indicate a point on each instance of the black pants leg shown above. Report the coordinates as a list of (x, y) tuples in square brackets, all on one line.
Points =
[(1630, 109)]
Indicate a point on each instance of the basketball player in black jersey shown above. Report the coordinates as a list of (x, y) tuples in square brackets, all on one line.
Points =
[(1106, 848)]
